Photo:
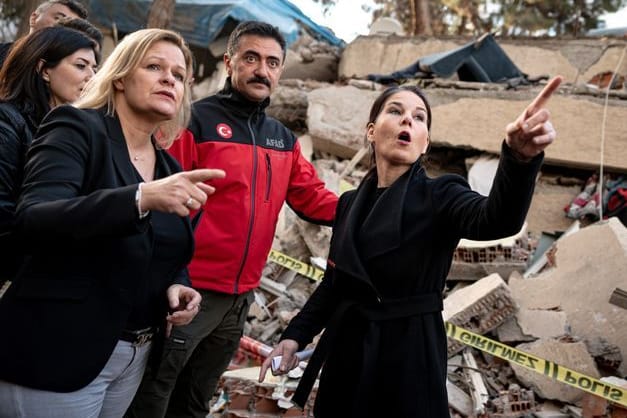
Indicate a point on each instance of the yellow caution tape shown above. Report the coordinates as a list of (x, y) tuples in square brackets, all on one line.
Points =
[(345, 186), (295, 265), (548, 368)]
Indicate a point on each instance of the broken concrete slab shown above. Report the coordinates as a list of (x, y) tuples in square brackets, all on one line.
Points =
[(458, 399), (540, 323), (573, 355), (572, 118), (510, 332), (590, 264), (532, 324), (337, 117), (289, 105), (479, 307)]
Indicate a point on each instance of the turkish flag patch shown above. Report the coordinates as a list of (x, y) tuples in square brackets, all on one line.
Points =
[(224, 130)]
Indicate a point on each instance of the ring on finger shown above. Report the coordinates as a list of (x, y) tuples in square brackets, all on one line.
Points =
[(189, 202)]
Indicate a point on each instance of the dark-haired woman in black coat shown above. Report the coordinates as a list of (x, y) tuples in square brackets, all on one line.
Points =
[(384, 345), (44, 69)]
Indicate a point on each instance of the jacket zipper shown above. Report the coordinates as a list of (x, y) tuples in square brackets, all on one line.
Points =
[(253, 189), (268, 177)]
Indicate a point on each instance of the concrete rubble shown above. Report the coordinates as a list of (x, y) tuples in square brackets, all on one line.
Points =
[(569, 309)]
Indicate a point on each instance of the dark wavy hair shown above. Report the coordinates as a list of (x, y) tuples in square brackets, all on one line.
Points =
[(21, 82), (378, 104), (256, 28), (87, 28)]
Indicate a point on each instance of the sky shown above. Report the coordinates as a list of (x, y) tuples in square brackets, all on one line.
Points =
[(348, 19)]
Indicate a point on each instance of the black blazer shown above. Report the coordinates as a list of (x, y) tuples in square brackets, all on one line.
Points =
[(64, 313)]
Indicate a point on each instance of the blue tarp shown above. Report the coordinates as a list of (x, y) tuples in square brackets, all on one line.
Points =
[(201, 21)]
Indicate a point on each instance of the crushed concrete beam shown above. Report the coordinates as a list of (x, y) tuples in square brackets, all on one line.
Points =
[(479, 307)]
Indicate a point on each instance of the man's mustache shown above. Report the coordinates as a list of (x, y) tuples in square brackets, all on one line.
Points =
[(259, 80)]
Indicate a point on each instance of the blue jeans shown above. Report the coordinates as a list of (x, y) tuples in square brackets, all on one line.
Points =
[(107, 396)]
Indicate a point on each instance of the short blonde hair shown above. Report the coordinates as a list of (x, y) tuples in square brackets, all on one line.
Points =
[(124, 59)]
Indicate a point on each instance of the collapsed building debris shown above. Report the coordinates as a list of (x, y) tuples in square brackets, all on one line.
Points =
[(473, 260), (514, 402)]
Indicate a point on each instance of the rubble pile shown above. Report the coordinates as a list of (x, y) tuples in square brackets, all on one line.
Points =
[(554, 293)]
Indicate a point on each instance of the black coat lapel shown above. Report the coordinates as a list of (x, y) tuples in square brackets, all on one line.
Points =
[(382, 228), (119, 150), (344, 249)]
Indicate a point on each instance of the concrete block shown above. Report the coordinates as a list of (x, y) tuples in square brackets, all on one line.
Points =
[(480, 307)]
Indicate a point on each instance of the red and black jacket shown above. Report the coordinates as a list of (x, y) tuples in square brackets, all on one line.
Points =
[(264, 168)]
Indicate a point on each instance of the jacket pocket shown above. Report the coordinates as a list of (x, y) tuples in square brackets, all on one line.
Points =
[(268, 177), (75, 288)]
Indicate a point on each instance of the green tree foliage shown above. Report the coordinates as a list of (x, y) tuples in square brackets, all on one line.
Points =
[(507, 17), (572, 17), (15, 14)]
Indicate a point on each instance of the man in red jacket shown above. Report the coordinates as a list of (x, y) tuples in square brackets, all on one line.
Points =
[(264, 169)]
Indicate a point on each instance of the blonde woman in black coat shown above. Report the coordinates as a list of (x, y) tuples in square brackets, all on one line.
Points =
[(104, 211), (384, 345)]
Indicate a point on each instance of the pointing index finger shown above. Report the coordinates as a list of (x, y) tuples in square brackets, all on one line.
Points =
[(204, 174), (543, 97)]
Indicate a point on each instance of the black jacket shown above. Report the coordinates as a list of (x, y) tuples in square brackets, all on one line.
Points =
[(16, 131), (64, 313), (380, 299)]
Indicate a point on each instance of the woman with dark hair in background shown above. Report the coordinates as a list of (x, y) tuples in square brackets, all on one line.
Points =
[(380, 302), (47, 68)]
